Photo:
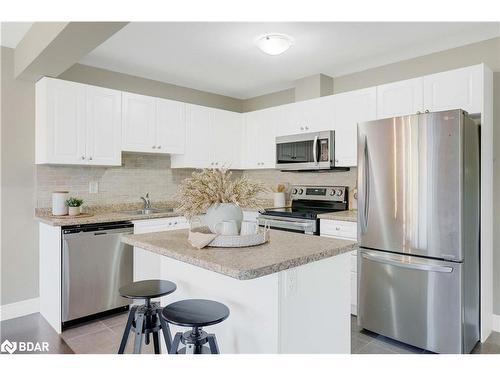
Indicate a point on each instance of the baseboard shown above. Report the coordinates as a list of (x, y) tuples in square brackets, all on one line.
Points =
[(495, 323), (21, 308)]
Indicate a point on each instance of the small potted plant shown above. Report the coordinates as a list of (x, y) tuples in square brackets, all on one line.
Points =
[(74, 206)]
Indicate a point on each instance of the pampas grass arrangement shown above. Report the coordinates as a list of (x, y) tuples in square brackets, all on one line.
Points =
[(213, 186)]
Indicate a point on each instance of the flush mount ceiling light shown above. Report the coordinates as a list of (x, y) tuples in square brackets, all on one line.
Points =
[(274, 44)]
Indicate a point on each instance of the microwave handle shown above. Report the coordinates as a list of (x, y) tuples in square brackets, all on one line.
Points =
[(315, 150)]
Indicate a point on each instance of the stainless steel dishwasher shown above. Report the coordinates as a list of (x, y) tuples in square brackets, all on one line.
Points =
[(95, 264)]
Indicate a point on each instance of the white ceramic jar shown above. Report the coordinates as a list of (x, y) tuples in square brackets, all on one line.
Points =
[(279, 200), (59, 203)]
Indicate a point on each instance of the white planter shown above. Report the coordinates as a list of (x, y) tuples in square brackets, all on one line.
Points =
[(74, 211), (59, 203), (218, 213), (279, 200)]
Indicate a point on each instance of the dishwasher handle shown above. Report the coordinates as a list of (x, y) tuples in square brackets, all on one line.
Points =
[(82, 233)]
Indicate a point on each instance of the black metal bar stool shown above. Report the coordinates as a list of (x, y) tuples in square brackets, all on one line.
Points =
[(195, 313), (146, 319)]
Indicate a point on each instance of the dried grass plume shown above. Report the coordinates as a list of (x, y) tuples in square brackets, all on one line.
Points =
[(211, 186)]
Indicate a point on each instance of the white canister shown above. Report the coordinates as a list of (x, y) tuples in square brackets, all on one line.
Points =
[(59, 203), (279, 200)]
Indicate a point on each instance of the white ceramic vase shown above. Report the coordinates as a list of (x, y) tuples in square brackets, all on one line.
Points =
[(59, 203), (220, 212), (279, 199)]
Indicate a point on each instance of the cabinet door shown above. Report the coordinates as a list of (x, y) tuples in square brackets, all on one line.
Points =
[(293, 120), (64, 103), (199, 152), (455, 89), (349, 109), (138, 123), (400, 98), (226, 134), (170, 126), (251, 130), (266, 137), (103, 121)]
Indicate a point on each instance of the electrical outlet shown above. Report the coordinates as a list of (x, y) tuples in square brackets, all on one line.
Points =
[(93, 187)]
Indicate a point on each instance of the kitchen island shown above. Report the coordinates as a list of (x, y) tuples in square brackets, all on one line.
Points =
[(290, 295)]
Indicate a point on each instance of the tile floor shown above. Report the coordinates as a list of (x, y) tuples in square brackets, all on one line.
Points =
[(103, 337)]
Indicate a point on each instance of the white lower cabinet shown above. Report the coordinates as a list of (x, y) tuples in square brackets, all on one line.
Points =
[(146, 264), (345, 230)]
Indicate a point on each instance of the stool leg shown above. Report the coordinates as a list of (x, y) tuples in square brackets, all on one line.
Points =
[(156, 342), (175, 343), (138, 333), (166, 330), (128, 326), (212, 343)]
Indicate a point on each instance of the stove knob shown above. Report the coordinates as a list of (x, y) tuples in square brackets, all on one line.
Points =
[(339, 192), (332, 192), (294, 191), (301, 191)]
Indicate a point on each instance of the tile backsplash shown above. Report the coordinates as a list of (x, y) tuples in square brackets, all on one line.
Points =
[(138, 175), (143, 173)]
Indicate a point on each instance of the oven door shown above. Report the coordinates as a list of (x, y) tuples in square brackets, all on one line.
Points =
[(290, 224), (305, 151)]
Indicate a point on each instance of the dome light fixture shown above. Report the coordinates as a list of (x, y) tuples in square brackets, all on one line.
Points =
[(274, 44)]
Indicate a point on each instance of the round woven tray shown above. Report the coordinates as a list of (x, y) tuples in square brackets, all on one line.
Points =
[(241, 241)]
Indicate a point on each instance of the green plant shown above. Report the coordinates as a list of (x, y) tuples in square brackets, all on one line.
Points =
[(74, 202)]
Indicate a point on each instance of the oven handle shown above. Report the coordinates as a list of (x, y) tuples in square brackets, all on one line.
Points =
[(306, 227), (315, 150)]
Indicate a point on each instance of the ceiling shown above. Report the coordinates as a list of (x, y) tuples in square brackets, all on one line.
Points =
[(221, 57), (13, 32)]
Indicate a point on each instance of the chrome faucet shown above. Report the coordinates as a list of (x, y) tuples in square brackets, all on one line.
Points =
[(147, 201)]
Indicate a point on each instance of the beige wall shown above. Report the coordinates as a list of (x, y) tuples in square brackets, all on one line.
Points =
[(19, 250), (119, 81), (268, 100)]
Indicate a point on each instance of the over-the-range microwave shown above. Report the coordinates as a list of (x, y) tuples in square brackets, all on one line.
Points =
[(306, 151)]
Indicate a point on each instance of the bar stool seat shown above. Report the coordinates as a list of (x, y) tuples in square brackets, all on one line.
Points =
[(147, 289), (195, 313), (145, 320)]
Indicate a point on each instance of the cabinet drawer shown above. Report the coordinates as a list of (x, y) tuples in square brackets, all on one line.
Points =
[(158, 225), (341, 229)]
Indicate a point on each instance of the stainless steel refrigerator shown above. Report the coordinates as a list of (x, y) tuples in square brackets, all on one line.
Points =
[(418, 230)]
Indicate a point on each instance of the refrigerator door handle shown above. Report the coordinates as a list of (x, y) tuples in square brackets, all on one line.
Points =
[(366, 188), (415, 266)]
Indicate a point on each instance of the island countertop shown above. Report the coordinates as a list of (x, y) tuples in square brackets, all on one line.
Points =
[(284, 250)]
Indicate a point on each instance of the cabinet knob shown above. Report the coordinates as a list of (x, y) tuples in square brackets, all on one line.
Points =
[(418, 112), (337, 228), (307, 128), (83, 157), (154, 146), (336, 160), (159, 146), (90, 158), (427, 111), (301, 128)]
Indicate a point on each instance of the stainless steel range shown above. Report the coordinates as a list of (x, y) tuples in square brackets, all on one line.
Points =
[(307, 203)]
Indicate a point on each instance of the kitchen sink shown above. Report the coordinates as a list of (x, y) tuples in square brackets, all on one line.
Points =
[(149, 211)]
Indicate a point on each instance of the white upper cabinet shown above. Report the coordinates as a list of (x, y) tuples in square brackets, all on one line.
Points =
[(213, 139), (349, 109), (259, 137), (226, 131), (153, 125), (77, 124), (454, 89), (307, 116), (170, 126), (138, 123), (400, 98), (103, 146)]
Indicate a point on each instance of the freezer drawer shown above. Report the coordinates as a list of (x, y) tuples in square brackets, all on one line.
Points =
[(414, 300)]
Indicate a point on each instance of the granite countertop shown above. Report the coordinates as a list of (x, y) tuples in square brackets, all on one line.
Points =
[(284, 250), (349, 215)]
